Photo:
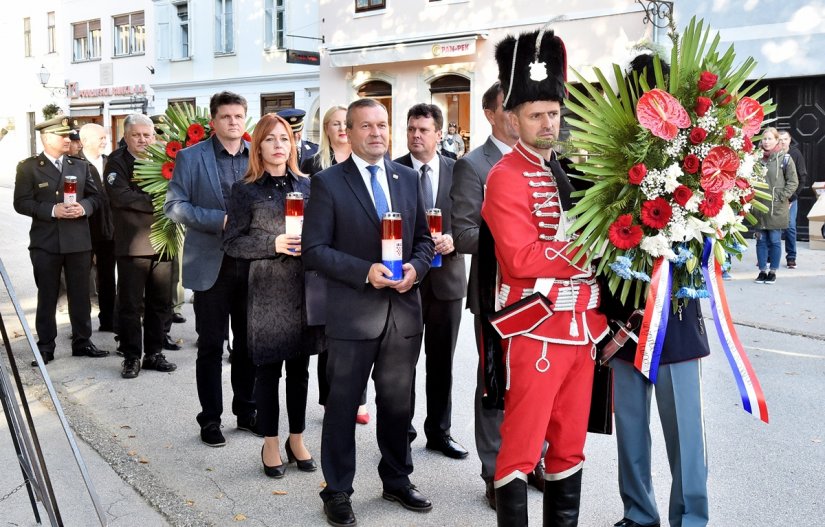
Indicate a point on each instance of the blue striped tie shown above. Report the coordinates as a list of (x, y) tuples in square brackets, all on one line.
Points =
[(380, 198)]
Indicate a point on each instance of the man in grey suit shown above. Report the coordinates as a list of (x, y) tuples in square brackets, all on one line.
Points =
[(59, 239), (373, 322), (444, 287), (197, 197), (467, 193)]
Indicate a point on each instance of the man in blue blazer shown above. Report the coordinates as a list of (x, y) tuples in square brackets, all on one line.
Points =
[(445, 286), (373, 323), (197, 197)]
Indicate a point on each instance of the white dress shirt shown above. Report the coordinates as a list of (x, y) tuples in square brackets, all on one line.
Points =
[(381, 176), (434, 164)]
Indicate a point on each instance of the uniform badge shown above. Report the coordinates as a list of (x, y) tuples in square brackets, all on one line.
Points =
[(43, 185), (42, 163), (111, 177)]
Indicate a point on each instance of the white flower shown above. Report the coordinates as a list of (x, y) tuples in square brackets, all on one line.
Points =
[(696, 227), (725, 217), (693, 203), (679, 231), (671, 179), (657, 246)]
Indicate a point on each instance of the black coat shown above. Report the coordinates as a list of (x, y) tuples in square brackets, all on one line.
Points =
[(101, 223), (276, 313), (131, 206), (38, 186)]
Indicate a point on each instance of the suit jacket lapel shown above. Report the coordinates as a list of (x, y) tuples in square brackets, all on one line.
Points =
[(211, 164), (395, 187), (48, 169), (353, 178), (491, 152), (442, 195)]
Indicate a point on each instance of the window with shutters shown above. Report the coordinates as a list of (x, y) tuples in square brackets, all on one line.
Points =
[(86, 41), (275, 24), (129, 34), (27, 37), (51, 32), (224, 27), (181, 25), (369, 5)]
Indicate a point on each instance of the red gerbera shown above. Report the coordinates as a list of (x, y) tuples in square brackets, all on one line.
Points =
[(172, 148), (691, 163), (623, 234), (750, 113), (712, 204), (636, 173), (167, 169), (661, 113), (246, 137), (682, 195), (191, 142), (196, 131), (656, 213), (719, 169)]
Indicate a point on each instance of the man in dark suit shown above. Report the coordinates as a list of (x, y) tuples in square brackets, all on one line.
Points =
[(373, 323), (59, 235), (144, 277), (444, 287), (467, 193), (295, 118), (93, 138), (197, 196)]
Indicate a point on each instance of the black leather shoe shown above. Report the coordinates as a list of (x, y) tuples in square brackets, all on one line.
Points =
[(177, 318), (409, 498), (536, 478), (131, 368), (211, 435), (106, 328), (158, 362), (47, 356), (169, 344), (276, 472), (89, 350), (338, 510), (490, 494), (250, 424), (627, 522), (304, 465), (447, 446)]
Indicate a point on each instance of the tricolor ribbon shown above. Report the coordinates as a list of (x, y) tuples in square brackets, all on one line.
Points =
[(753, 400), (654, 326)]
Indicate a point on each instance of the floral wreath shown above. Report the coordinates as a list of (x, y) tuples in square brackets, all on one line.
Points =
[(672, 167), (182, 125)]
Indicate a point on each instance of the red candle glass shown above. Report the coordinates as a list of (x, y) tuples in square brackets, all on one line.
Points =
[(434, 223), (294, 214), (392, 245), (70, 189)]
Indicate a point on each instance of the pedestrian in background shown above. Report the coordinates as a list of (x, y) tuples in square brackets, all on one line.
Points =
[(782, 182), (278, 332), (802, 178), (453, 144)]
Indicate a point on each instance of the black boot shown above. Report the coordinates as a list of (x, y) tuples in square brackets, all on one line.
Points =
[(511, 504), (561, 501)]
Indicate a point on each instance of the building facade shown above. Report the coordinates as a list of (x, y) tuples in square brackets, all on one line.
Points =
[(265, 50)]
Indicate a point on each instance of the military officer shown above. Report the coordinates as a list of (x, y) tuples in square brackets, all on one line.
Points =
[(59, 236), (295, 118)]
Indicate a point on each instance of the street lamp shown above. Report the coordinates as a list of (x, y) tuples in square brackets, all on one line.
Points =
[(43, 76), (657, 12)]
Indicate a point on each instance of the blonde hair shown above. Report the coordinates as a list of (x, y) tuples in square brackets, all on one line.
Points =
[(325, 152), (771, 130)]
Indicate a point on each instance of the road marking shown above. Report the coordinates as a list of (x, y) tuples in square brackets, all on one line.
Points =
[(788, 353)]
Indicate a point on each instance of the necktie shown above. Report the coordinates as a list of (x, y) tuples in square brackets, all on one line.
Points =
[(380, 198), (58, 165), (427, 187)]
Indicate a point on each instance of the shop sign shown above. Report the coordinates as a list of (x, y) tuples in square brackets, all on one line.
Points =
[(454, 49), (112, 91)]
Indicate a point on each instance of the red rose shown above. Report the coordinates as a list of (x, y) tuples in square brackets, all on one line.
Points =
[(747, 146), (167, 169), (712, 204), (729, 132), (707, 80), (702, 106), (691, 163), (722, 94), (636, 173), (697, 135), (172, 148), (656, 213), (195, 132), (745, 199), (246, 137), (682, 195), (623, 234)]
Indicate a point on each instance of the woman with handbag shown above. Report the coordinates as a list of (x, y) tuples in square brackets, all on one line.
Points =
[(278, 332)]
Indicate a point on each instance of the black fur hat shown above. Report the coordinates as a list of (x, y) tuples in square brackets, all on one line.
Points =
[(532, 67)]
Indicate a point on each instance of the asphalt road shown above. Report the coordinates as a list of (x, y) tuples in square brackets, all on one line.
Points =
[(140, 440)]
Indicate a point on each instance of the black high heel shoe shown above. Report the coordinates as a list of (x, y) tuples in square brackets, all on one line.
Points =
[(304, 465), (276, 472)]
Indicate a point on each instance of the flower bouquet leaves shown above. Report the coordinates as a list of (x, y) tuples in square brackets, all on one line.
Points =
[(182, 125), (670, 166)]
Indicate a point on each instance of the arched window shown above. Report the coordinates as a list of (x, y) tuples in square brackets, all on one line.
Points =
[(452, 94)]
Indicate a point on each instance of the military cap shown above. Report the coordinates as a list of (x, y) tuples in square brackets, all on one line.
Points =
[(60, 125), (295, 118), (74, 135)]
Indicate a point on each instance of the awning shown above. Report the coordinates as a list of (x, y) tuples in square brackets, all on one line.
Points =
[(425, 48), (86, 110)]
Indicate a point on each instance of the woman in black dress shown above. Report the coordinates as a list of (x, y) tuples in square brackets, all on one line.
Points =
[(278, 332)]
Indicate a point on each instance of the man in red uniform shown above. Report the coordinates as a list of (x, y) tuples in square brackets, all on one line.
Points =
[(548, 366)]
